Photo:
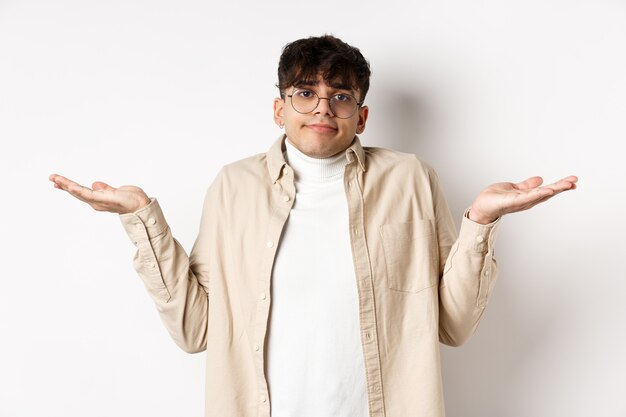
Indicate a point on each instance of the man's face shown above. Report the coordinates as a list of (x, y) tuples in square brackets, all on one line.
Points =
[(319, 133)]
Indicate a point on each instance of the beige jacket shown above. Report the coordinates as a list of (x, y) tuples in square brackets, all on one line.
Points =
[(418, 284)]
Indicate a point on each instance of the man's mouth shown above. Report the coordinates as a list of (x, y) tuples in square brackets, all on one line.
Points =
[(322, 128)]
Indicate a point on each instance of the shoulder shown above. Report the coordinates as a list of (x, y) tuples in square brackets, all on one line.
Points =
[(249, 168), (244, 177), (389, 161)]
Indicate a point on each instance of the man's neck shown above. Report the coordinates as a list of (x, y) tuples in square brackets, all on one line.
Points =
[(309, 169)]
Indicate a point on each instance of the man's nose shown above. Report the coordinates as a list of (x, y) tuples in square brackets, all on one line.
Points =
[(323, 107)]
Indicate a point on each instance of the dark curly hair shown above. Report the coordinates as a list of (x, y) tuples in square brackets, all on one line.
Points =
[(339, 63)]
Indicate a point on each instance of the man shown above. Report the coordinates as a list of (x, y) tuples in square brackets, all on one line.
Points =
[(325, 274)]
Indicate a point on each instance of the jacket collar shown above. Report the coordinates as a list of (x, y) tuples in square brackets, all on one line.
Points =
[(276, 160)]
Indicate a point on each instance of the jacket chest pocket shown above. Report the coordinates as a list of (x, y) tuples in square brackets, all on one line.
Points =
[(410, 255)]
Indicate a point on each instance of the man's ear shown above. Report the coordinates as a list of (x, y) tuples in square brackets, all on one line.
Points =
[(279, 105), (363, 112)]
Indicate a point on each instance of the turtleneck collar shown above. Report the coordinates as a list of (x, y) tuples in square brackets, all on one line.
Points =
[(309, 169)]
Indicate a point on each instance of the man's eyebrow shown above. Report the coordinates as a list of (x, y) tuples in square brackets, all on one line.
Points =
[(313, 83), (306, 83), (341, 86)]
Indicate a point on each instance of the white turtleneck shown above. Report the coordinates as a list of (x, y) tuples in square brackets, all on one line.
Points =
[(314, 357)]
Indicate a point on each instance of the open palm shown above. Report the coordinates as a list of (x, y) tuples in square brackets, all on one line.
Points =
[(506, 197), (103, 197)]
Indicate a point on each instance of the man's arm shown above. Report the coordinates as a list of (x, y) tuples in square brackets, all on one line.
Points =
[(470, 269), (179, 289)]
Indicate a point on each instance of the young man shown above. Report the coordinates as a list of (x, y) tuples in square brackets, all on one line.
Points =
[(325, 274)]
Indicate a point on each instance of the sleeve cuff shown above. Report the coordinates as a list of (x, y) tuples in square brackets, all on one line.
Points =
[(477, 237), (144, 224)]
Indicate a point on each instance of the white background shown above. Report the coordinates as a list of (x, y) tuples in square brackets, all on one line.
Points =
[(162, 94)]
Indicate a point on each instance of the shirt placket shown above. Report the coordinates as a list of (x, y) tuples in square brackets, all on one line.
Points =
[(283, 196), (353, 180)]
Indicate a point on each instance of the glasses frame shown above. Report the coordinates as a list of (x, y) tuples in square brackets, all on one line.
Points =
[(330, 106)]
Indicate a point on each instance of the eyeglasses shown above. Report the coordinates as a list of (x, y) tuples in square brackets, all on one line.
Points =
[(342, 105)]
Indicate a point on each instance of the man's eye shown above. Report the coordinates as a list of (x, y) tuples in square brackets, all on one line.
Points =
[(305, 93), (342, 97)]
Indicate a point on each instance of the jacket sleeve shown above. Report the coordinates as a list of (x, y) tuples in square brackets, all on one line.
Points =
[(468, 271), (177, 283)]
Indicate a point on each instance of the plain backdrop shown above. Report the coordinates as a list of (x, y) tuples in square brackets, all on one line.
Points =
[(161, 94)]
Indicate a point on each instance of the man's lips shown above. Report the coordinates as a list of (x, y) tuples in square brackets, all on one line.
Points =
[(322, 128)]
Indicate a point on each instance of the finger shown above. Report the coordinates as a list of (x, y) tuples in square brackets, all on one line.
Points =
[(572, 180), (537, 196), (82, 193), (101, 186), (526, 200), (542, 200), (75, 189), (568, 183), (62, 182), (530, 183), (53, 176)]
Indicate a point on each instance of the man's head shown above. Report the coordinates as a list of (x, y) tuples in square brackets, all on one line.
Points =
[(338, 74)]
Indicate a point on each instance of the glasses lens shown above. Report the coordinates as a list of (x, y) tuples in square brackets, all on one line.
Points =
[(304, 101), (343, 105)]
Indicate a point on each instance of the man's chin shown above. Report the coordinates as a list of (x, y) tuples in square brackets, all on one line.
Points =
[(323, 151)]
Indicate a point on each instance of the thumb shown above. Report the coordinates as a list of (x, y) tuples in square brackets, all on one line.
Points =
[(100, 186)]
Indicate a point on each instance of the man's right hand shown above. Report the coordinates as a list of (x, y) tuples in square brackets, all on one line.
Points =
[(103, 197)]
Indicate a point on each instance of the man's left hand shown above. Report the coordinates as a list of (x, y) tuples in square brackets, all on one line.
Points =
[(505, 197)]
